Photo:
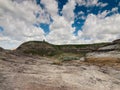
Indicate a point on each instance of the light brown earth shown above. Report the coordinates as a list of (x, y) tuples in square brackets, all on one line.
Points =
[(40, 73)]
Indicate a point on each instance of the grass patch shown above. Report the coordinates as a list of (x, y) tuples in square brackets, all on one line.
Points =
[(69, 58)]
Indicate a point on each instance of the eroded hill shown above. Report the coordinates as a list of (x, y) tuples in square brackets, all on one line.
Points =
[(46, 49)]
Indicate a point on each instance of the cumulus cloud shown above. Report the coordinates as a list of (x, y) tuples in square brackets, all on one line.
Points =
[(68, 10), (18, 10), (105, 29), (19, 17), (18, 24), (86, 2), (89, 3), (101, 4), (61, 30), (17, 20), (51, 6)]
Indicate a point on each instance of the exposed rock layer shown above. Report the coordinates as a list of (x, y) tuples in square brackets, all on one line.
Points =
[(108, 53)]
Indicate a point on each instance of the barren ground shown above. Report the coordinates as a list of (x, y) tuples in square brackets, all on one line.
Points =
[(40, 73)]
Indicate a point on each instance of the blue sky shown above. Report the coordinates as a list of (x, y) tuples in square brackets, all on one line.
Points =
[(58, 21), (78, 21)]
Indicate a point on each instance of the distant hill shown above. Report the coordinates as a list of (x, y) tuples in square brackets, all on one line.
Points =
[(1, 49), (46, 49), (37, 47)]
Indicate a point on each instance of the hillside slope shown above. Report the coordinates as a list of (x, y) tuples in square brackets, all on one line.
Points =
[(37, 47), (45, 49)]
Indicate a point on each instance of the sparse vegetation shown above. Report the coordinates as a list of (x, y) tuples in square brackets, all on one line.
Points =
[(43, 48), (68, 58), (57, 62)]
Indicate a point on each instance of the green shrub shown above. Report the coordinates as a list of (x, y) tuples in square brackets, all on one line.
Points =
[(68, 58)]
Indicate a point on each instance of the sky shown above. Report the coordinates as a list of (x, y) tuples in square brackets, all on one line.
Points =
[(58, 21)]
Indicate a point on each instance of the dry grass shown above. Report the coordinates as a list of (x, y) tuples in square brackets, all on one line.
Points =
[(106, 61), (57, 62)]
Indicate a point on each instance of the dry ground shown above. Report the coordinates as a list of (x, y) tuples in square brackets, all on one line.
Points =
[(40, 73)]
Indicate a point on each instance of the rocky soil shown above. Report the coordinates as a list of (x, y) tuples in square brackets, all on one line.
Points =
[(39, 73), (97, 70)]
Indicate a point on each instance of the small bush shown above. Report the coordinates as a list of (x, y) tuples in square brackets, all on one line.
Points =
[(57, 62), (68, 58)]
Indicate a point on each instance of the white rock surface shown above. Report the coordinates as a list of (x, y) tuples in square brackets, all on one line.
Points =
[(109, 47), (115, 54)]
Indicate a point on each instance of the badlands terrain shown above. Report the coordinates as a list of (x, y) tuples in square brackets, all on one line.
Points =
[(43, 66)]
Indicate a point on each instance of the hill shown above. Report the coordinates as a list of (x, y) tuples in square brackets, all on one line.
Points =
[(37, 47), (93, 53), (46, 49), (1, 49)]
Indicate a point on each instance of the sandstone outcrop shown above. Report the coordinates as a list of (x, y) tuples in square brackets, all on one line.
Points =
[(109, 53)]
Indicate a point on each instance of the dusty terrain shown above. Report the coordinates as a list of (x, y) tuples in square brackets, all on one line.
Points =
[(39, 73), (94, 70)]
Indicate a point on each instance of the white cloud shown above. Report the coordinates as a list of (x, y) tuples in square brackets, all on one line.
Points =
[(81, 13), (9, 43), (61, 31), (18, 24), (114, 9), (25, 10), (68, 10), (80, 2), (101, 4), (17, 19), (51, 7), (103, 14), (87, 3), (107, 12), (91, 2), (105, 29)]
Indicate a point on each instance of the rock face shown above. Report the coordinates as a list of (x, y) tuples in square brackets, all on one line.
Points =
[(114, 46), (108, 57), (110, 48), (109, 53), (117, 41)]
